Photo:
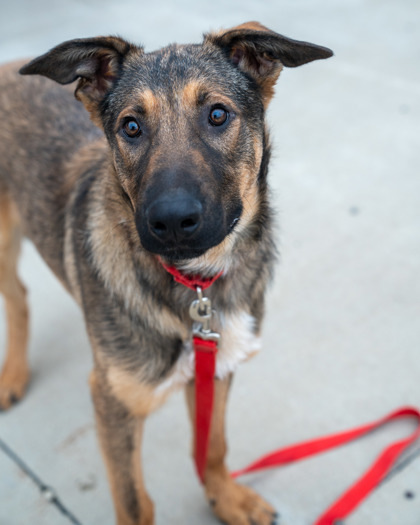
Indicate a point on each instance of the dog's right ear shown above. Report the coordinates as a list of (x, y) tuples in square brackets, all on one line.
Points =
[(96, 62)]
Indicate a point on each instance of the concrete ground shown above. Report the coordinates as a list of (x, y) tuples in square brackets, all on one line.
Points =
[(342, 332)]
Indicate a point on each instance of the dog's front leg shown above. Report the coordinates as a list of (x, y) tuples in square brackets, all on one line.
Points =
[(120, 436), (234, 504)]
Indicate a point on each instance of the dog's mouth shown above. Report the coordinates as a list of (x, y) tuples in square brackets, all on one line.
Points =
[(179, 254), (182, 252), (188, 239), (175, 254)]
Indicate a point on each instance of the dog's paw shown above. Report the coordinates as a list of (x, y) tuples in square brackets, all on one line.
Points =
[(235, 504), (12, 386)]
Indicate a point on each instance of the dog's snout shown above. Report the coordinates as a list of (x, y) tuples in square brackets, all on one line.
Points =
[(178, 216), (174, 218)]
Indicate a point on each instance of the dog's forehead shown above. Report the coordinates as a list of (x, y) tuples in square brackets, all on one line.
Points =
[(176, 63), (177, 68)]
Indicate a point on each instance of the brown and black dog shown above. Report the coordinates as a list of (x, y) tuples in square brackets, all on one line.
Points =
[(175, 168)]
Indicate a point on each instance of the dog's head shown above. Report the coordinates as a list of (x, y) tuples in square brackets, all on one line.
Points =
[(186, 128)]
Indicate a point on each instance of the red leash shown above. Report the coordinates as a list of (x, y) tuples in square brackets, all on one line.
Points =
[(205, 347), (205, 368), (371, 479)]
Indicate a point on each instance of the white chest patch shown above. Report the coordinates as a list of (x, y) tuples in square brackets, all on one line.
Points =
[(238, 343)]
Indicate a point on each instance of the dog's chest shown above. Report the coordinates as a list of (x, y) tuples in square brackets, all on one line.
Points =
[(238, 343)]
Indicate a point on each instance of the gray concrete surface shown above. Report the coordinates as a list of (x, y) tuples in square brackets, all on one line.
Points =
[(342, 333)]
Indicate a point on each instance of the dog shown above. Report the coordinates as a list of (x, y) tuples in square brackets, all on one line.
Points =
[(171, 167)]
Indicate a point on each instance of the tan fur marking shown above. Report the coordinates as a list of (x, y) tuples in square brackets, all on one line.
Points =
[(268, 86), (139, 398), (253, 26), (150, 101), (147, 100), (194, 89), (249, 189), (191, 92), (15, 372)]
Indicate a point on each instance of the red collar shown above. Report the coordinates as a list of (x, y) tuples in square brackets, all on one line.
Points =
[(191, 281)]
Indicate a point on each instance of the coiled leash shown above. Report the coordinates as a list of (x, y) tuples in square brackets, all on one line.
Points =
[(205, 347), (370, 479)]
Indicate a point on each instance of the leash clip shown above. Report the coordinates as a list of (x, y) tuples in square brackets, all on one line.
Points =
[(202, 313)]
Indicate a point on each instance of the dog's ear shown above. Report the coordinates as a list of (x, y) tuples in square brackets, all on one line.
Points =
[(96, 62), (262, 53)]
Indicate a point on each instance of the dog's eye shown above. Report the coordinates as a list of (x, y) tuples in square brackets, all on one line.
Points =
[(131, 128), (218, 116)]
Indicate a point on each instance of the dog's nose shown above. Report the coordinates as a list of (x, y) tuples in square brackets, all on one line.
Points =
[(174, 218)]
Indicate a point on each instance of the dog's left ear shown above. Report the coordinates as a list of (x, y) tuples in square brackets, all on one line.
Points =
[(96, 62), (262, 53)]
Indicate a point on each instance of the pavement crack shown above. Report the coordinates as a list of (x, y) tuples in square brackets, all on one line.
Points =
[(402, 464), (47, 492)]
